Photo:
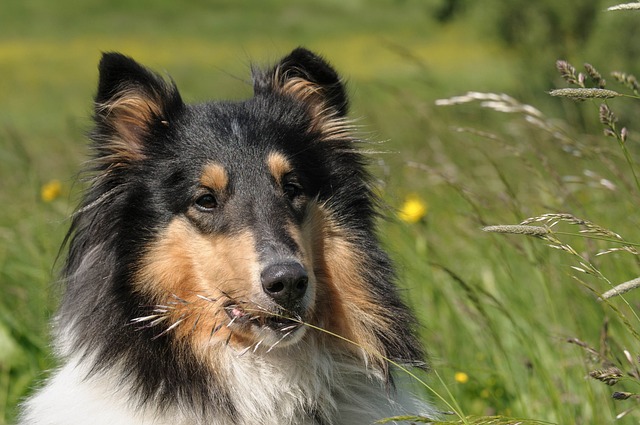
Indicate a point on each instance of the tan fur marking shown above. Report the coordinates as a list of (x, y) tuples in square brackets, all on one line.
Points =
[(130, 115), (215, 177), (324, 119), (278, 165), (197, 276), (345, 305), (303, 89)]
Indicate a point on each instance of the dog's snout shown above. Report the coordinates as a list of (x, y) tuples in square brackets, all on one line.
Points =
[(285, 283)]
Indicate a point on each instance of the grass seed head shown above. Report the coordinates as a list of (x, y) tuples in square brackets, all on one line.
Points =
[(584, 93), (595, 76), (628, 80), (607, 117), (609, 376), (567, 71), (519, 229), (624, 133), (621, 395)]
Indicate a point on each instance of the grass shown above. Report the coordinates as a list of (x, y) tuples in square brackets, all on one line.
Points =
[(512, 329), (520, 304)]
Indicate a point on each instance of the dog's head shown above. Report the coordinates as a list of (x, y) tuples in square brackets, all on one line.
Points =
[(229, 223), (229, 197)]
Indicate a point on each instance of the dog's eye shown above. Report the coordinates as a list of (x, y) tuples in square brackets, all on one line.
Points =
[(206, 202), (292, 189)]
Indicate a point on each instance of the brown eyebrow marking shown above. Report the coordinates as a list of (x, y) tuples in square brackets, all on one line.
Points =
[(215, 177), (278, 165)]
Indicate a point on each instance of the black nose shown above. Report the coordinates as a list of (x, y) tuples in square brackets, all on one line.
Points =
[(285, 283)]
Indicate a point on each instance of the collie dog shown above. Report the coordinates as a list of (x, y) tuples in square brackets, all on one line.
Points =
[(223, 265)]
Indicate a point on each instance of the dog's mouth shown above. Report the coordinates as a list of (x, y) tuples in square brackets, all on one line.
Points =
[(261, 318)]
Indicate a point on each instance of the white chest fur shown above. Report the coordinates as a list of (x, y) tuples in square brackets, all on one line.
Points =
[(287, 386)]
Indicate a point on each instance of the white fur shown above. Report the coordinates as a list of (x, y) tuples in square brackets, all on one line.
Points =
[(267, 388)]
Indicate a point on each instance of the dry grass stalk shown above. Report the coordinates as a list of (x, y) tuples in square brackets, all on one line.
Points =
[(498, 102), (622, 288), (626, 248), (625, 6), (545, 232), (507, 104), (588, 227)]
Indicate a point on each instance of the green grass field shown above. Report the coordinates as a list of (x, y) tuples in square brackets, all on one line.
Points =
[(498, 310)]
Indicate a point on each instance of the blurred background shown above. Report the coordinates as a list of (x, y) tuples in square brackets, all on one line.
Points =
[(497, 310)]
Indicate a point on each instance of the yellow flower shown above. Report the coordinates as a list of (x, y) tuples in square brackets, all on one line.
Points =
[(413, 210), (50, 190), (461, 377)]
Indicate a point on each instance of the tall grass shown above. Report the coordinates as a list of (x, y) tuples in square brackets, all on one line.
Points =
[(30, 230), (611, 364), (527, 325)]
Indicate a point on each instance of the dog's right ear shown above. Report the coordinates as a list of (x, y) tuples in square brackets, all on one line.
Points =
[(310, 80), (131, 102)]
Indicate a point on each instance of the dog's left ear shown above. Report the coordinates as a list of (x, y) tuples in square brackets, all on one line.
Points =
[(308, 78)]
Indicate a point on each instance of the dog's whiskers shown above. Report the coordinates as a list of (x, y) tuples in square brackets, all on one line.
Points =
[(278, 341), (147, 318), (243, 352), (173, 326), (211, 300), (158, 321), (257, 345)]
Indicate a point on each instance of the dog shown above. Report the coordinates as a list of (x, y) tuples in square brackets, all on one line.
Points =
[(223, 266)]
